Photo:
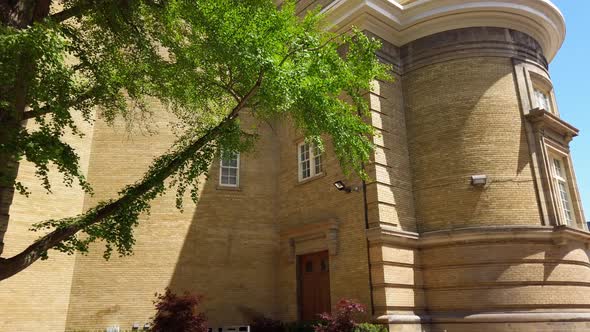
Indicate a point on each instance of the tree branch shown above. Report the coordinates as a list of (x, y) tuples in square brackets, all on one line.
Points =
[(17, 263), (289, 54), (227, 89), (229, 86), (249, 95), (46, 109), (72, 11), (36, 113), (80, 9)]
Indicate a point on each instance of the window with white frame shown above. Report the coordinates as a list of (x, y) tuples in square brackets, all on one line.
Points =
[(229, 169), (563, 193), (543, 99), (310, 161)]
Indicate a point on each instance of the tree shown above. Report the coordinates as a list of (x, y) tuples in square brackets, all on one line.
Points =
[(178, 313), (206, 60)]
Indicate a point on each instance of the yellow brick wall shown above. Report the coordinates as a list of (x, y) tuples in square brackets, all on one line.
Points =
[(223, 249), (397, 280), (318, 201), (505, 276), (390, 192), (395, 273), (226, 248), (463, 119), (37, 298)]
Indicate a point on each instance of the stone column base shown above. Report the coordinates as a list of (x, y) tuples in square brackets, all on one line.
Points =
[(490, 322)]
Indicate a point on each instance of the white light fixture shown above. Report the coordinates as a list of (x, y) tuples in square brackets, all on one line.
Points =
[(479, 180), (343, 187), (339, 185)]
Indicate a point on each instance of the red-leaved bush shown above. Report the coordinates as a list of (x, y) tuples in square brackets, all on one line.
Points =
[(178, 313), (343, 320)]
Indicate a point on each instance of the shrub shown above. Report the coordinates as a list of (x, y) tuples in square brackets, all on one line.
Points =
[(366, 327), (265, 324), (178, 313), (343, 321)]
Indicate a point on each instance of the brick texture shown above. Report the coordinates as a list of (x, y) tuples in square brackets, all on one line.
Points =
[(37, 298), (444, 119), (464, 119)]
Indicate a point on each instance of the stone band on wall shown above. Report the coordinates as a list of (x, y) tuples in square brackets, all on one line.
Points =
[(485, 275), (471, 42), (461, 44)]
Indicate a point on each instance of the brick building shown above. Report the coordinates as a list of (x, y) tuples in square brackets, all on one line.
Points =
[(472, 220)]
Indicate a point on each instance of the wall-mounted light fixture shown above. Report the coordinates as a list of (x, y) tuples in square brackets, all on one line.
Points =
[(479, 180), (343, 187)]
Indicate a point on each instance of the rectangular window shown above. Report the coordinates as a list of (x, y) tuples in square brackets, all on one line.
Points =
[(563, 193), (542, 100), (229, 169), (310, 161)]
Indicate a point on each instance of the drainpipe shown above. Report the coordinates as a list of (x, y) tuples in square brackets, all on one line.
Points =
[(366, 211)]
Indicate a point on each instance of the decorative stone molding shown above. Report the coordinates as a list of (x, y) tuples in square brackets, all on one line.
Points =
[(551, 136), (311, 238), (559, 235), (401, 24), (493, 317), (542, 119), (460, 44), (471, 42)]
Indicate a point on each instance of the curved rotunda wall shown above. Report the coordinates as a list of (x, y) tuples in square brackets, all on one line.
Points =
[(486, 261), (463, 119)]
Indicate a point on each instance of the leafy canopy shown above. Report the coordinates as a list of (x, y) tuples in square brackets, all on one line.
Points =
[(205, 60)]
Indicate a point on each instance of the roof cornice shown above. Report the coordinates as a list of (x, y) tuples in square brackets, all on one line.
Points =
[(401, 24)]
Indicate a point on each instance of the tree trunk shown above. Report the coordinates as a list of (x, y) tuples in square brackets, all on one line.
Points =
[(19, 15), (8, 173)]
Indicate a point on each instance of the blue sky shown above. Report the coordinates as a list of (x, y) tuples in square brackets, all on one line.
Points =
[(570, 73)]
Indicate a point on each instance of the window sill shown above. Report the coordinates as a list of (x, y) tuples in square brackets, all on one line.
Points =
[(311, 179), (228, 188)]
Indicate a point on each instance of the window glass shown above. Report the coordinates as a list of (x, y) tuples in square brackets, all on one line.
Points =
[(317, 160), (229, 166), (305, 162), (310, 161), (558, 169), (542, 100), (562, 186)]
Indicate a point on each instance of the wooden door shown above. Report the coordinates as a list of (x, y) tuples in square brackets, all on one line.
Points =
[(314, 285)]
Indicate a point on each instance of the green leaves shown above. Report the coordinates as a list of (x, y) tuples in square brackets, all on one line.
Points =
[(35, 57), (207, 60)]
